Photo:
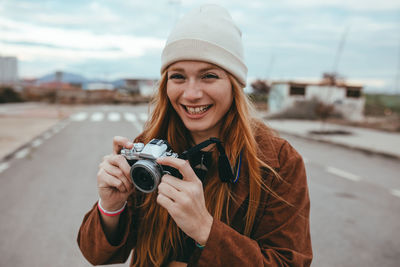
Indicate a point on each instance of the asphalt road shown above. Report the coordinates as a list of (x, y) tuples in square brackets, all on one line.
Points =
[(355, 205), (47, 187)]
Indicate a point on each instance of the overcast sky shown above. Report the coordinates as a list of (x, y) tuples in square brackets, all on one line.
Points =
[(283, 39)]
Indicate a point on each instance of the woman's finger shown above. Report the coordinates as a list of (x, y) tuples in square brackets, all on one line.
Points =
[(119, 142), (165, 202), (106, 180), (118, 173), (177, 183), (120, 162), (169, 191), (182, 165)]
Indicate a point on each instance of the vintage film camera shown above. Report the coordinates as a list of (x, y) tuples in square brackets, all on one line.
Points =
[(146, 173)]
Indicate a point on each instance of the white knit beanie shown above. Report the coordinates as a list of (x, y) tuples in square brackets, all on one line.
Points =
[(208, 34)]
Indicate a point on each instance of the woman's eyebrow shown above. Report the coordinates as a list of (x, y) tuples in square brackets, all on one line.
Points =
[(176, 69), (208, 69)]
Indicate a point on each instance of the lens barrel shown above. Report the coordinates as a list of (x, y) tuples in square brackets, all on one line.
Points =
[(146, 175)]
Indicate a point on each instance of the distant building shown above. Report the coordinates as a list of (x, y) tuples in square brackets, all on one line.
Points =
[(143, 87), (8, 70), (347, 98), (28, 82), (54, 91), (100, 96), (99, 86), (59, 86)]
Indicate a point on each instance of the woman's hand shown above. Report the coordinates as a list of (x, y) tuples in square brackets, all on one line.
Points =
[(113, 178), (184, 200)]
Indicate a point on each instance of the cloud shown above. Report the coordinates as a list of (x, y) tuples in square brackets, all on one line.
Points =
[(31, 42), (94, 16), (363, 5), (105, 13), (301, 35)]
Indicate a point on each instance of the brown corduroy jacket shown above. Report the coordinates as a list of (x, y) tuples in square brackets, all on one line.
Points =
[(280, 234)]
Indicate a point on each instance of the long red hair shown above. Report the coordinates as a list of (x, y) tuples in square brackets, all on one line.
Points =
[(159, 238)]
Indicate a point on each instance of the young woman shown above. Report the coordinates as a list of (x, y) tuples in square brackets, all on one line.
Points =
[(259, 216)]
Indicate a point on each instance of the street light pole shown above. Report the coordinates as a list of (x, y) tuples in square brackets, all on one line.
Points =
[(397, 77)]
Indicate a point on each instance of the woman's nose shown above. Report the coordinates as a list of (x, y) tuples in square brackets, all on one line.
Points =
[(193, 90)]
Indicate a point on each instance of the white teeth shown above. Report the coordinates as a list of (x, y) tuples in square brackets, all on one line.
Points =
[(196, 110)]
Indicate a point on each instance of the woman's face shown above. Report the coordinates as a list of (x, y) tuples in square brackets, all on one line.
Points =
[(201, 94)]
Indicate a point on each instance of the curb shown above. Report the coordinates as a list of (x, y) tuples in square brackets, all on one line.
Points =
[(357, 148), (10, 155)]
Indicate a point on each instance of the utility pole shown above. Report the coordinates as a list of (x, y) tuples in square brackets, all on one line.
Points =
[(397, 77), (339, 51)]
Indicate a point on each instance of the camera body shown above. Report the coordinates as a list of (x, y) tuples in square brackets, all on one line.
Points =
[(145, 172)]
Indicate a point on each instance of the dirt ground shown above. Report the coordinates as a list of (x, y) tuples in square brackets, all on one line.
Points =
[(19, 123), (384, 123)]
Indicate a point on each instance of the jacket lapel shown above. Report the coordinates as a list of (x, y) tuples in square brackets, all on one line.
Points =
[(268, 154)]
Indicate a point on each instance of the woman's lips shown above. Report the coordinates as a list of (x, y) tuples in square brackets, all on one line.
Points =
[(196, 111)]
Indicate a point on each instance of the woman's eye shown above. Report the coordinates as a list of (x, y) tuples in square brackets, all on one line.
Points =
[(210, 76), (176, 76)]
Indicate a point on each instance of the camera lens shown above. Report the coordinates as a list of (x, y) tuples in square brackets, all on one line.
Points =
[(146, 175), (143, 178)]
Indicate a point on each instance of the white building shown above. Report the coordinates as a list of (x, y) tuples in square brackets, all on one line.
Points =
[(99, 86), (346, 98), (143, 87), (8, 70)]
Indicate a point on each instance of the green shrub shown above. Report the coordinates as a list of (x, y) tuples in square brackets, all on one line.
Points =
[(380, 104), (258, 97), (8, 94)]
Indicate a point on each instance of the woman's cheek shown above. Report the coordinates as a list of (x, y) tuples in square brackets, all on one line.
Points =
[(173, 95)]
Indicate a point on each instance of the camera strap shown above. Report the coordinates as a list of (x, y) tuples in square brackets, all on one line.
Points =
[(224, 167)]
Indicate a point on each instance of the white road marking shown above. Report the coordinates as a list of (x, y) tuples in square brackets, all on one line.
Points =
[(47, 135), (395, 192), (143, 116), (55, 130), (63, 124), (97, 116), (114, 116), (139, 127), (59, 127), (130, 117), (343, 174), (37, 142), (4, 166), (22, 153), (79, 116)]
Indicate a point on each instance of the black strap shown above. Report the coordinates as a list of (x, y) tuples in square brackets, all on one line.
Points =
[(191, 151), (224, 167)]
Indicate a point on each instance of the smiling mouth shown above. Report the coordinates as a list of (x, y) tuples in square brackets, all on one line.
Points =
[(197, 110)]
